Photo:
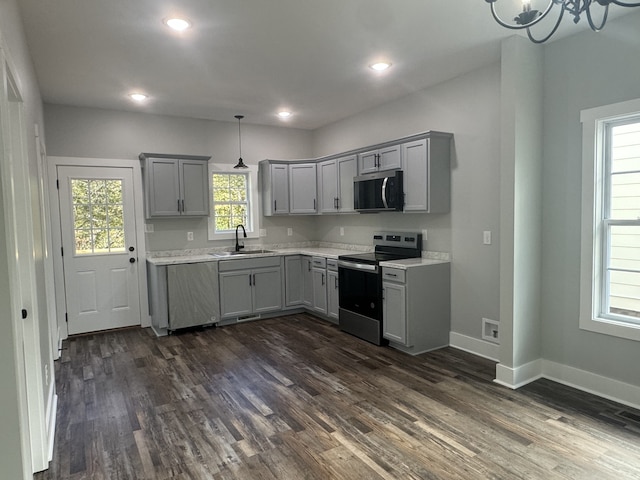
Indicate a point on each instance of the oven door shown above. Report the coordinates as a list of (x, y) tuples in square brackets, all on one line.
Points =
[(360, 289)]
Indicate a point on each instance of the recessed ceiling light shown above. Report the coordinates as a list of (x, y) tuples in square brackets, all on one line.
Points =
[(284, 114), (178, 24), (138, 97), (380, 66)]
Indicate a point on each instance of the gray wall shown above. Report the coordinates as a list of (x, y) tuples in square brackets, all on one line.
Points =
[(97, 133), (582, 71), (22, 69), (468, 107)]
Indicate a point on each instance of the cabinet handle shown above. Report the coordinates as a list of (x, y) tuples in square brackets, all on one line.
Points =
[(309, 265), (250, 280), (383, 294), (275, 205), (178, 205), (337, 203), (323, 279), (254, 279), (314, 203), (378, 160), (335, 282), (183, 205)]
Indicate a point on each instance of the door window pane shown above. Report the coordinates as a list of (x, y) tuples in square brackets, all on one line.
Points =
[(98, 216)]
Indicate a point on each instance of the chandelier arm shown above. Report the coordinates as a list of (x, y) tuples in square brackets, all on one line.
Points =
[(604, 19), (520, 27), (624, 4), (555, 27)]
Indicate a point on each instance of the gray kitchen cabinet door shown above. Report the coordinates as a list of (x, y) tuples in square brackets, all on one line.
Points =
[(194, 176), (332, 295), (267, 289), (386, 158), (235, 293), (163, 188), (319, 290), (427, 175), (328, 186), (294, 287), (307, 281), (302, 188), (394, 312), (347, 169), (280, 188)]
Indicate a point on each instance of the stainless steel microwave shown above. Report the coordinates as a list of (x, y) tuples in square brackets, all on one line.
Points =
[(378, 192)]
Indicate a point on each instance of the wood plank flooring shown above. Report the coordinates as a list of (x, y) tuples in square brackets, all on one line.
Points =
[(295, 398)]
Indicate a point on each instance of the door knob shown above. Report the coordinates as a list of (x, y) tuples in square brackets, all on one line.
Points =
[(132, 260), (131, 249)]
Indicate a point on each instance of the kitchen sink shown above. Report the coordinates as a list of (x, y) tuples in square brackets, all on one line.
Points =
[(240, 252)]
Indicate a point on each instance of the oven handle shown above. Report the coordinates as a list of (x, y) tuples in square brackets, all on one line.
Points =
[(358, 266)]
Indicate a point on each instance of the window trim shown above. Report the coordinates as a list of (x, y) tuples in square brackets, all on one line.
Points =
[(593, 234), (253, 201)]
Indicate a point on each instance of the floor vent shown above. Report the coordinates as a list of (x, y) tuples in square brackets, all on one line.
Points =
[(634, 417)]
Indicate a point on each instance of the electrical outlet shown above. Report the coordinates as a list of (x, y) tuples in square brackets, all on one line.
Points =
[(342, 231), (424, 235), (148, 228), (290, 232), (189, 236), (263, 232), (486, 237), (490, 330)]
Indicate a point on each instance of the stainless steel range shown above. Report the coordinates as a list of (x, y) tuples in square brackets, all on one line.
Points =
[(360, 283)]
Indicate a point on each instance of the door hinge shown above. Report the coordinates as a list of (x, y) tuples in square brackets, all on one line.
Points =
[(62, 251), (66, 317), (57, 184)]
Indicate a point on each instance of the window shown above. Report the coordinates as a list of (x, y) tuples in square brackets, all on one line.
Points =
[(233, 201), (610, 295), (98, 218)]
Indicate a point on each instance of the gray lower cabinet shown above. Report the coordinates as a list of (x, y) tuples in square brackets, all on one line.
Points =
[(307, 281), (250, 286), (319, 279), (293, 286), (416, 307), (332, 290)]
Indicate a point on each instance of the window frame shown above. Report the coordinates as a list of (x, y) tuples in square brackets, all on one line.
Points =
[(253, 201), (594, 287)]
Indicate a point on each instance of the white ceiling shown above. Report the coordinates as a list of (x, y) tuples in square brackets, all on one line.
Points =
[(253, 57)]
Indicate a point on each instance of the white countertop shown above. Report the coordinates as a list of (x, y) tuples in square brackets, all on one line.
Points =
[(206, 257), (429, 258)]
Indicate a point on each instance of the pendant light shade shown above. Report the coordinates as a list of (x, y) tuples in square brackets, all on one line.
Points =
[(240, 163)]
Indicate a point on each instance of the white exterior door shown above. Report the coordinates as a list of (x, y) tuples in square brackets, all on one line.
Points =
[(97, 218)]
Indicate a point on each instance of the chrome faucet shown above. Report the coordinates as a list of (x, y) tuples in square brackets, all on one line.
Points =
[(244, 232)]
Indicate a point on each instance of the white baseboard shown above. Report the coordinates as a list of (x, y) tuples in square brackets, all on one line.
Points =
[(476, 346), (589, 382), (52, 409), (621, 392), (517, 377)]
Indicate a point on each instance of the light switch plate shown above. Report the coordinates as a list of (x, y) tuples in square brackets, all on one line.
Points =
[(290, 232), (189, 236), (263, 232), (342, 231), (486, 237), (148, 228)]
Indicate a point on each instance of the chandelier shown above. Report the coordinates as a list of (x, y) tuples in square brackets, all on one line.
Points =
[(530, 17)]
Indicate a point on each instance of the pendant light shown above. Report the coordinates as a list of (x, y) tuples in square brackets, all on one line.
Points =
[(240, 163)]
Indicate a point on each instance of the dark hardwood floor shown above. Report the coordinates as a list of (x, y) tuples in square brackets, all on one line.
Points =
[(295, 398)]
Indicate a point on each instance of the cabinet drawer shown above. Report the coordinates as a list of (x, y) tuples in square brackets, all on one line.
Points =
[(393, 274), (332, 264), (248, 263), (320, 262)]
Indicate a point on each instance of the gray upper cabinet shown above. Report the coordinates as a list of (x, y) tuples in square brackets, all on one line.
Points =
[(275, 188), (175, 185), (302, 188), (335, 184), (427, 174), (387, 158)]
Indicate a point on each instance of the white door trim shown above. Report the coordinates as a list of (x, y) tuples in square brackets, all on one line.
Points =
[(53, 164)]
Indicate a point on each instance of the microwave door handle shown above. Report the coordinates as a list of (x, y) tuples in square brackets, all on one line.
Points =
[(384, 192)]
